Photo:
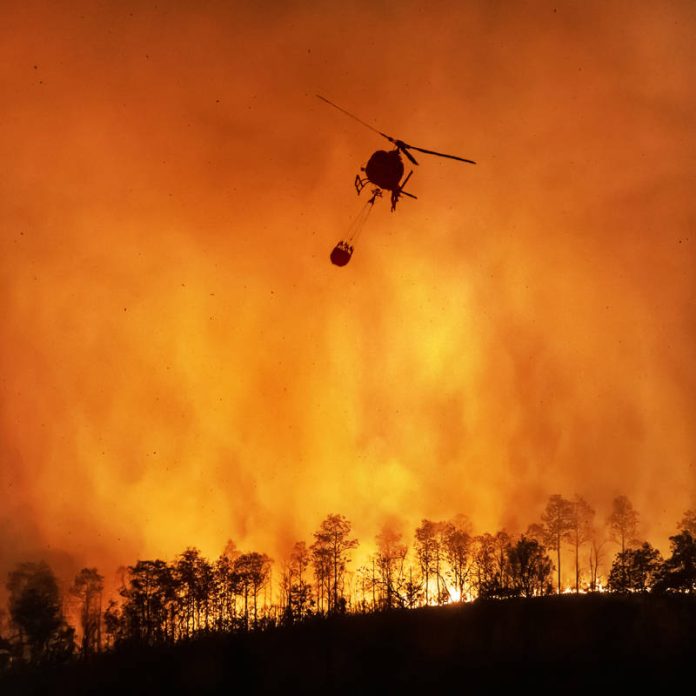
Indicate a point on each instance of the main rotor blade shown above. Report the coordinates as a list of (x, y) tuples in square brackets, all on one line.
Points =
[(404, 147), (439, 154), (408, 154), (353, 116)]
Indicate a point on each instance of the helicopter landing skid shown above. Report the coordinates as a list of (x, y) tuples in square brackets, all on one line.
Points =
[(360, 183)]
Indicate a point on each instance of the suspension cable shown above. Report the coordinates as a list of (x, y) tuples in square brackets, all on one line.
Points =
[(356, 227)]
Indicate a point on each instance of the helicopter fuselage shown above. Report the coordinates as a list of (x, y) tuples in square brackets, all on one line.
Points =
[(385, 169)]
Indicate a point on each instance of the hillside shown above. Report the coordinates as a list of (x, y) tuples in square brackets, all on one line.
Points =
[(566, 644)]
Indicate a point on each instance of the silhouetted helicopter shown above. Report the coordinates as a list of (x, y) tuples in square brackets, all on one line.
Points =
[(385, 169)]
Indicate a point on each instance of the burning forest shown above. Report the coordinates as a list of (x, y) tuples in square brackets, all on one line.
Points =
[(181, 364), (160, 602)]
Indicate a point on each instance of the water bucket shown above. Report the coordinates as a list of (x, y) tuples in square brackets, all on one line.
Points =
[(341, 253)]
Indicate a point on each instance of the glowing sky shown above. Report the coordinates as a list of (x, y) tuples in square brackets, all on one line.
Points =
[(181, 364)]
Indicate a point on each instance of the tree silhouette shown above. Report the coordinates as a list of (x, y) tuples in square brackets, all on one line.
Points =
[(226, 587), (366, 587), (113, 623), (487, 581), (231, 551), (443, 593), (148, 613), (413, 590), (688, 522), (501, 546), (253, 570), (457, 544), (299, 600), (193, 578), (35, 608), (87, 588), (3, 623), (8, 651), (678, 572), (581, 530), (557, 520), (390, 558), (623, 522), (597, 544), (167, 602), (428, 551), (530, 568), (635, 570), (330, 555), (321, 563)]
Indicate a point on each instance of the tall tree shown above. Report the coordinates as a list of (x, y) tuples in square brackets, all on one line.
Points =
[(678, 572), (490, 570), (331, 550), (253, 570), (428, 551), (193, 576), (597, 545), (635, 570), (114, 624), (530, 568), (501, 546), (35, 608), (226, 588), (581, 530), (150, 598), (413, 590), (87, 589), (322, 565), (623, 522), (366, 587), (485, 564), (457, 543), (298, 591), (557, 521), (390, 558)]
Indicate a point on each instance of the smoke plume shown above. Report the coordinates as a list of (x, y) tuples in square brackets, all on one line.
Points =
[(180, 363)]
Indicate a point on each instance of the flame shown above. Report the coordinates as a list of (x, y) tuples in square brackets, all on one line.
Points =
[(181, 364)]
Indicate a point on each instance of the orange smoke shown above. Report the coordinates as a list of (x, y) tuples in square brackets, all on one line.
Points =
[(180, 362)]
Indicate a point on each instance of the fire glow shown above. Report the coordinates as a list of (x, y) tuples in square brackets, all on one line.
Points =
[(182, 365)]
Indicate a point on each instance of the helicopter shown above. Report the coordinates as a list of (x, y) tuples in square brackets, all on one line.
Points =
[(385, 168)]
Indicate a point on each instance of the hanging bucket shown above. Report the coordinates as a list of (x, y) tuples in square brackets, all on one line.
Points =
[(341, 253)]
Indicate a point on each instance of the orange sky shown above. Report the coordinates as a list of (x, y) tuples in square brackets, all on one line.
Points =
[(181, 364)]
